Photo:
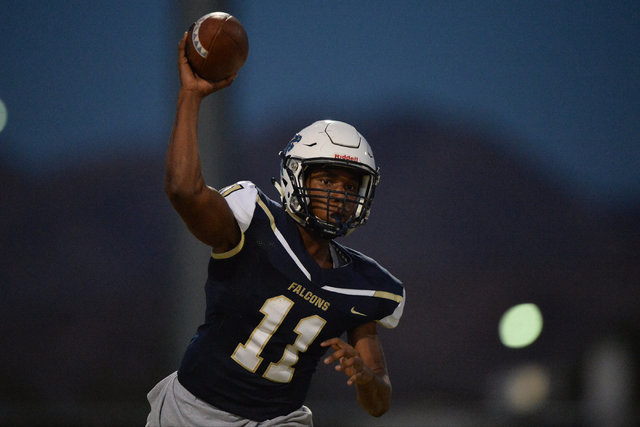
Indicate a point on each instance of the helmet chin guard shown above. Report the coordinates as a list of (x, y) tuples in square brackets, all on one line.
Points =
[(327, 143)]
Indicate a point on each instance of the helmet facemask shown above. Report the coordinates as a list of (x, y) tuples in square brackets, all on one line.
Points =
[(328, 145), (332, 212)]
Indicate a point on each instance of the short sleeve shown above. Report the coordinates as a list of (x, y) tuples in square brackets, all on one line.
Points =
[(241, 198), (392, 320)]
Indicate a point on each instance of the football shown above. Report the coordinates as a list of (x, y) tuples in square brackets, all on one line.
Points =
[(217, 46)]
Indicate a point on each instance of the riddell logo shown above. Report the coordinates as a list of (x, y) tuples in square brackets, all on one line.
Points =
[(345, 157)]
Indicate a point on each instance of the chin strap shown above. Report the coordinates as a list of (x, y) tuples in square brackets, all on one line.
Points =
[(342, 227)]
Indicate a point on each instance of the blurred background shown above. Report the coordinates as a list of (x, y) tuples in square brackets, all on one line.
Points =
[(508, 136)]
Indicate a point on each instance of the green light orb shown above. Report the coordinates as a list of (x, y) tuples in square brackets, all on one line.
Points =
[(520, 325), (3, 115)]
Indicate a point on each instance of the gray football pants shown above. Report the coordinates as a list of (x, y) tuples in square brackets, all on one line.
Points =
[(173, 405)]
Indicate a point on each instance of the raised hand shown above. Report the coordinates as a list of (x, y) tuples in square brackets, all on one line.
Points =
[(191, 81)]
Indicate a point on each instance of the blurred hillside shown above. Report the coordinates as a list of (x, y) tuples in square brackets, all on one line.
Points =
[(85, 291), (87, 278)]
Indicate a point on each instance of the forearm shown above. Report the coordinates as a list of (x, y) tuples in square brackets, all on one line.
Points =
[(375, 396), (183, 174)]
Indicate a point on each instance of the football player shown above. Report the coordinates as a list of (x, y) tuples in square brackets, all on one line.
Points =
[(280, 290)]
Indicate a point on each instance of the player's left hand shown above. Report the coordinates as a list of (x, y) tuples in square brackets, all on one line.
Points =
[(349, 360)]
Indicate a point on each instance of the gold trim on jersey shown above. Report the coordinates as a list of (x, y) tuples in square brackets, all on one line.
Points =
[(388, 295), (228, 190), (266, 210), (282, 240), (230, 253)]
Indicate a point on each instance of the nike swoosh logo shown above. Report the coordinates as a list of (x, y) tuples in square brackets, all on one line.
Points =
[(353, 310)]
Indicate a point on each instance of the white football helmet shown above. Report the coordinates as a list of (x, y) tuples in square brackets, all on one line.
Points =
[(327, 143)]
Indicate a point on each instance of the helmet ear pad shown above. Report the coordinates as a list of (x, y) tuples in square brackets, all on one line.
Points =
[(326, 143)]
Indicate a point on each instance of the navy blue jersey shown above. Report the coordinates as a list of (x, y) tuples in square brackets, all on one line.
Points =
[(269, 306)]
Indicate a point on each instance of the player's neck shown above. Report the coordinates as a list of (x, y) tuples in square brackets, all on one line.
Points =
[(317, 247)]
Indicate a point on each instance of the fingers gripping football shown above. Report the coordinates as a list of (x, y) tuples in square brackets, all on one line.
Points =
[(191, 81)]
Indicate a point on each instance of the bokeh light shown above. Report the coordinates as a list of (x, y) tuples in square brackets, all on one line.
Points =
[(526, 388), (520, 325), (3, 115)]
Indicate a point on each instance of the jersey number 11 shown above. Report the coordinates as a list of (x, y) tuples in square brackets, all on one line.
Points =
[(275, 310)]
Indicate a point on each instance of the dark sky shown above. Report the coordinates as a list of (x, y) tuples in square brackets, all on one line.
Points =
[(79, 79)]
